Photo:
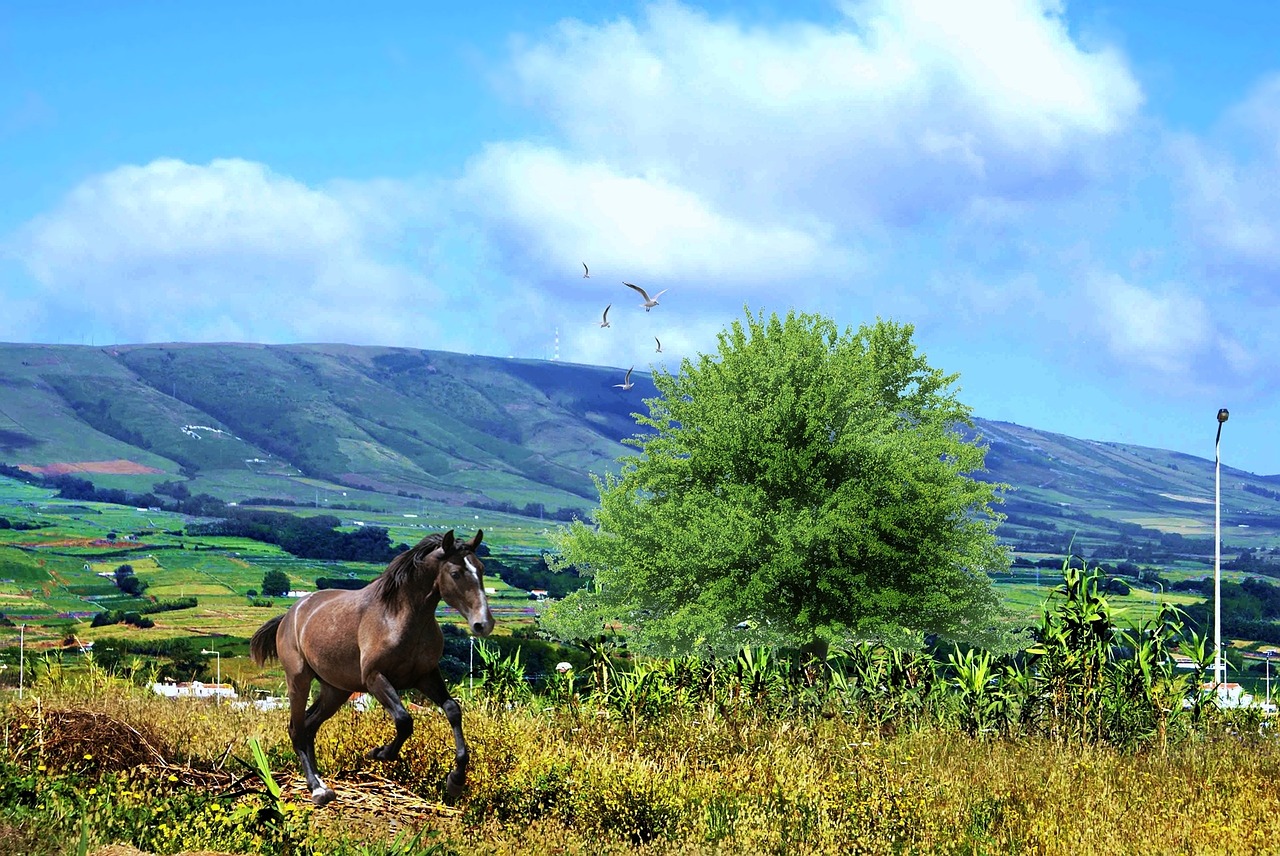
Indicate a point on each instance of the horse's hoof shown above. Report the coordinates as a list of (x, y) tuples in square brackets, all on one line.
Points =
[(322, 796), (382, 753), (454, 786)]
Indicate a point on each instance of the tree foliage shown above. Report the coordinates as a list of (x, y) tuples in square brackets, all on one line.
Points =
[(128, 582), (802, 485), (315, 537), (275, 583)]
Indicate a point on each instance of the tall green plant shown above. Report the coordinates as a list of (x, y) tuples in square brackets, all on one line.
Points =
[(1069, 659), (1148, 689), (504, 676), (975, 677)]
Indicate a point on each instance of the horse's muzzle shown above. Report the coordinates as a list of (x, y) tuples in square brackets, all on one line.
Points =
[(483, 627)]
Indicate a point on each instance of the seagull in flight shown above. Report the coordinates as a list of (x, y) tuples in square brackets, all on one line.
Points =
[(649, 302), (604, 322), (659, 341), (586, 272), (626, 382)]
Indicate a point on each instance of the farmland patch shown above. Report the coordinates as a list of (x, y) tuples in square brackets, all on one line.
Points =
[(118, 467)]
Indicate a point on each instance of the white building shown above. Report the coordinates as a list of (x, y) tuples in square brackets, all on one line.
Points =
[(193, 689)]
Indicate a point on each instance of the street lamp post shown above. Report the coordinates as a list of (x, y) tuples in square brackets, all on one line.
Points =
[(1217, 551), (217, 687)]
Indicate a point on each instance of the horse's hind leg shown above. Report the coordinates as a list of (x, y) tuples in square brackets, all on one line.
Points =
[(381, 689), (304, 722), (434, 688)]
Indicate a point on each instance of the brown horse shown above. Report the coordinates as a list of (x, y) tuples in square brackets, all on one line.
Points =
[(381, 639)]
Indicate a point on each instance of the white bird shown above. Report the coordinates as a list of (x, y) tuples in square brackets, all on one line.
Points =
[(649, 302), (586, 272), (626, 382), (659, 341), (604, 322)]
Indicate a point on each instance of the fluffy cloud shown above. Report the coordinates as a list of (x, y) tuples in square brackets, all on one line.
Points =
[(630, 340), (1231, 191), (730, 163), (227, 250), (561, 212), (777, 164), (1169, 332), (900, 110)]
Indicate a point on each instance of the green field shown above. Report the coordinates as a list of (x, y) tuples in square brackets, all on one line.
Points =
[(56, 577), (1026, 600)]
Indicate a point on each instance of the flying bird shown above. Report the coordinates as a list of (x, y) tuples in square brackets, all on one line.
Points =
[(626, 382), (659, 341), (604, 322), (586, 272), (649, 302)]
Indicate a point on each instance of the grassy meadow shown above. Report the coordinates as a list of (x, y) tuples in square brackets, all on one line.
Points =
[(733, 762), (873, 753)]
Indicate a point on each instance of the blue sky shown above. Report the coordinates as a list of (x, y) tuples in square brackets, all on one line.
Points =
[(1077, 205)]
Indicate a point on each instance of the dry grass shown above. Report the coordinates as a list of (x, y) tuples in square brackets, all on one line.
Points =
[(581, 782)]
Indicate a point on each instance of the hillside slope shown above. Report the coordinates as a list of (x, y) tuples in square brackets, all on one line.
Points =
[(241, 421), (437, 425)]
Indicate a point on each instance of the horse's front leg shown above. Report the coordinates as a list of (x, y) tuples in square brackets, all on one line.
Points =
[(381, 689), (434, 688)]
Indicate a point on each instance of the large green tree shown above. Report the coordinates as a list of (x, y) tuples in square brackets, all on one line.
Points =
[(803, 485)]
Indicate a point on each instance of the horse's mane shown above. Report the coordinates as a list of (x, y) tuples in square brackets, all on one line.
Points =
[(399, 573)]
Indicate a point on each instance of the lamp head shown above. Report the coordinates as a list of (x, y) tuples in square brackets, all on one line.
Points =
[(1223, 415)]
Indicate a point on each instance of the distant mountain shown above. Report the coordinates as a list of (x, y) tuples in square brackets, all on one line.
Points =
[(242, 421)]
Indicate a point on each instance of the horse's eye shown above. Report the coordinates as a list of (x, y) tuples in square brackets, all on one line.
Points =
[(455, 574)]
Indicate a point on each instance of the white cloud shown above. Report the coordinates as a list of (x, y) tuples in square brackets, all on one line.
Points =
[(729, 163), (1169, 332), (900, 110), (980, 301), (747, 164), (629, 341), (227, 250), (561, 212), (1231, 190)]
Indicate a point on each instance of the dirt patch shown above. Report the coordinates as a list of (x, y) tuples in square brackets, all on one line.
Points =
[(118, 467), (104, 543)]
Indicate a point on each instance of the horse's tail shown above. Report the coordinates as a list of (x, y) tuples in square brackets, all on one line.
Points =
[(262, 646)]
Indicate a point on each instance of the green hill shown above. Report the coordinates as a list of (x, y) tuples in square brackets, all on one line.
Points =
[(287, 421), (404, 427)]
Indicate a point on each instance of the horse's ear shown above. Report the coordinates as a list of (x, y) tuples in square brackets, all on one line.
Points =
[(446, 543), (475, 542)]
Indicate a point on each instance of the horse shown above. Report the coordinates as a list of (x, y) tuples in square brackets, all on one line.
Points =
[(381, 639)]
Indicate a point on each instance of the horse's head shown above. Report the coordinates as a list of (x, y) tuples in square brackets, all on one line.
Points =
[(460, 581)]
